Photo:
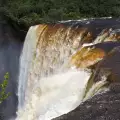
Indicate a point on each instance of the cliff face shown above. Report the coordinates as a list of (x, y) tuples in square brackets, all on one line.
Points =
[(10, 49)]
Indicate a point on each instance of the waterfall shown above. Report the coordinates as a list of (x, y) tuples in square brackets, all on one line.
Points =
[(25, 58), (48, 85)]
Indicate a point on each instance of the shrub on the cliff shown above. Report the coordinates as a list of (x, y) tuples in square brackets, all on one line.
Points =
[(3, 94)]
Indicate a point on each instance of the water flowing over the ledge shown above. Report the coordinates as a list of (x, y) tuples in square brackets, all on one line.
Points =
[(48, 86), (52, 78)]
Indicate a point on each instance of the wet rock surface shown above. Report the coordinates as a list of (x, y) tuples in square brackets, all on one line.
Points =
[(104, 106), (110, 63)]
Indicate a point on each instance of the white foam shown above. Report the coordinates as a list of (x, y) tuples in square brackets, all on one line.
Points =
[(55, 95), (85, 19)]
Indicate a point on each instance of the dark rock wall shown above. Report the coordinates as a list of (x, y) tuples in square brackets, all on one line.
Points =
[(101, 107), (10, 49)]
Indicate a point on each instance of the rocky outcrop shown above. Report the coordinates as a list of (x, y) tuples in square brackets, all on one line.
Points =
[(101, 107), (110, 63)]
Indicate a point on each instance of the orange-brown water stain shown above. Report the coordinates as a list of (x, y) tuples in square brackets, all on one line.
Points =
[(85, 58), (58, 40), (49, 36), (40, 29), (79, 34), (40, 32), (74, 37), (93, 56), (59, 34)]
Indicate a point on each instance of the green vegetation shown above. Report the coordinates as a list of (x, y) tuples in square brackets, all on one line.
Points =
[(29, 12), (3, 94)]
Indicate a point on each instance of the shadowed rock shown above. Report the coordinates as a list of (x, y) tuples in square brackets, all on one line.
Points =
[(10, 48), (104, 106), (110, 63)]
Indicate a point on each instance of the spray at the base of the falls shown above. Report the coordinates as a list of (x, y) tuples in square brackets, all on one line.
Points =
[(48, 85)]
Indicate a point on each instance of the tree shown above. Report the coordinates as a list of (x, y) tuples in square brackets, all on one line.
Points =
[(24, 13)]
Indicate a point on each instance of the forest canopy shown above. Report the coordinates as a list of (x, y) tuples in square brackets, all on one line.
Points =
[(30, 12)]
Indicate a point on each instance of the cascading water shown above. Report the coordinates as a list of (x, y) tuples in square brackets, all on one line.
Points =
[(26, 56), (54, 96), (48, 86)]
